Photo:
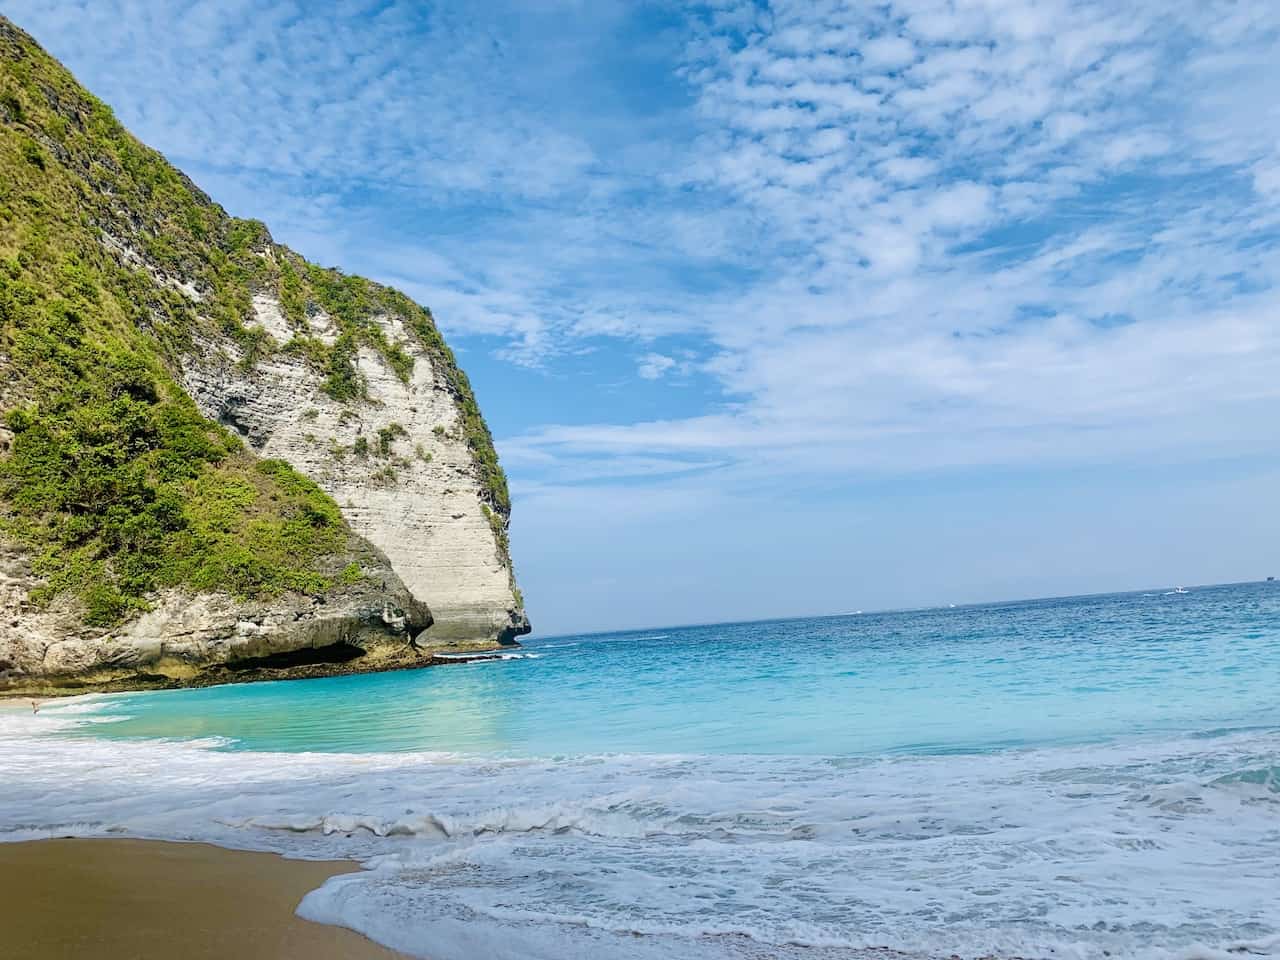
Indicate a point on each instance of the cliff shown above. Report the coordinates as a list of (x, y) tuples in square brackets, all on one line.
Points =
[(215, 454)]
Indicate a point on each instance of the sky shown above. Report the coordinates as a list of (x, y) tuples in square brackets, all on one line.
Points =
[(784, 308)]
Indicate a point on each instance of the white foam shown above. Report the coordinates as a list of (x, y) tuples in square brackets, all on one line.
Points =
[(1151, 848), (628, 638), (473, 658)]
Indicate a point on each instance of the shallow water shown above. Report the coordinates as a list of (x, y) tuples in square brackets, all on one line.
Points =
[(1055, 778)]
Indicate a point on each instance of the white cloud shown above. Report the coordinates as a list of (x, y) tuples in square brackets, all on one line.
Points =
[(1045, 241), (908, 169), (887, 52), (923, 233), (353, 95), (653, 366), (1266, 178)]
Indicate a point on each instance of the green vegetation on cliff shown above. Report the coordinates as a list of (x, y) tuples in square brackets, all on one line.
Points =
[(112, 265)]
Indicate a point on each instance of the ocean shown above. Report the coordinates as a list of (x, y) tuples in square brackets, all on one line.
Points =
[(1069, 778)]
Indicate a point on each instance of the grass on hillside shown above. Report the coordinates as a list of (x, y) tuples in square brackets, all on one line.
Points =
[(114, 480)]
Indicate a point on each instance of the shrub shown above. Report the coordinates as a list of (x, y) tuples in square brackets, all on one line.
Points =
[(32, 153), (387, 437)]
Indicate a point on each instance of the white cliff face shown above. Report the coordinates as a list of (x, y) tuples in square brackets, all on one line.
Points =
[(397, 464)]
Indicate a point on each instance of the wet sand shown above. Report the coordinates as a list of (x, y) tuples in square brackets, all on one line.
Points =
[(148, 900)]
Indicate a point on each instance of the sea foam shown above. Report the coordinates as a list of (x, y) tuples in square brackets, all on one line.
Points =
[(1075, 778), (1152, 847)]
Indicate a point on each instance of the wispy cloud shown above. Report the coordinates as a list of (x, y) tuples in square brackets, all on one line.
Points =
[(912, 233), (993, 232), (819, 240)]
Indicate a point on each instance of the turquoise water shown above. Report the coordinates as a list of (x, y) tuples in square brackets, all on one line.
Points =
[(1093, 777), (956, 679)]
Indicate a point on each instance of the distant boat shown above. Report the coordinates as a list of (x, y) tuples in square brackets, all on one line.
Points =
[(1177, 590), (1270, 579)]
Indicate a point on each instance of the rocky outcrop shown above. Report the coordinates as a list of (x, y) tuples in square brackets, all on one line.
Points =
[(175, 553), (368, 623), (396, 462)]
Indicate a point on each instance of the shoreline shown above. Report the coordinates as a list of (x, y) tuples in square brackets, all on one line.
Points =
[(129, 899), (227, 676)]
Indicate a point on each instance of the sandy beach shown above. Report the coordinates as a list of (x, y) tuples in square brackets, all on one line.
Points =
[(141, 899)]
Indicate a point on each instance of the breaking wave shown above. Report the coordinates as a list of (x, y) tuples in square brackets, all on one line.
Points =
[(1147, 848)]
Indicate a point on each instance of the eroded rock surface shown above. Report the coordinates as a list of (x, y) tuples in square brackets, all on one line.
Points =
[(369, 623)]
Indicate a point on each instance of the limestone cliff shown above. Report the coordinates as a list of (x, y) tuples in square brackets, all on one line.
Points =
[(397, 461), (215, 454)]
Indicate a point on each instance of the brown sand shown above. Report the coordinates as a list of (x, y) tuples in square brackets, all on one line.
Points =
[(146, 900)]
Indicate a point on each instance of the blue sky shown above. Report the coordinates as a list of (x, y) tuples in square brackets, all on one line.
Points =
[(787, 308)]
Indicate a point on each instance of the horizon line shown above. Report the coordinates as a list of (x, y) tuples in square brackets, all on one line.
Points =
[(886, 610)]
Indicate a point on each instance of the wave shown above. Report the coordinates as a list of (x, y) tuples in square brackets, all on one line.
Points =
[(1152, 847), (1266, 777), (549, 818), (472, 659), (628, 638)]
